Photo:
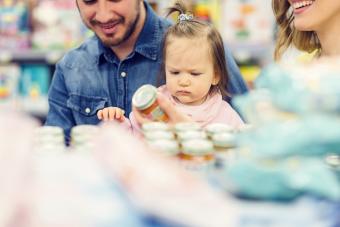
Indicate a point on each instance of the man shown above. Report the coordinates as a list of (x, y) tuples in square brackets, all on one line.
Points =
[(108, 68)]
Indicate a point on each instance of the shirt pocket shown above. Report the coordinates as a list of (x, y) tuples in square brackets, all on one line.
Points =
[(84, 108)]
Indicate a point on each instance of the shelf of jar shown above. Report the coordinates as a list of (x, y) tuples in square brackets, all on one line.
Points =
[(49, 56)]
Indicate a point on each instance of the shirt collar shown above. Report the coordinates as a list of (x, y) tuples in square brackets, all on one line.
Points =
[(147, 43)]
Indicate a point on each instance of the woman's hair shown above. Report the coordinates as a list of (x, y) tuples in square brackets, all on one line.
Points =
[(192, 28), (287, 34)]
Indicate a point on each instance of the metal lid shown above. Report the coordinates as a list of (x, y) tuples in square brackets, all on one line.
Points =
[(224, 140), (153, 126), (49, 130), (84, 129), (144, 97), (165, 145), (154, 135), (197, 147), (187, 126), (218, 128), (187, 135)]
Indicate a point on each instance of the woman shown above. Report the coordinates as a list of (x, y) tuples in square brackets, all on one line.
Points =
[(309, 25)]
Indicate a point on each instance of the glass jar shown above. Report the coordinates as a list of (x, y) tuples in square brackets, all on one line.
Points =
[(145, 100), (155, 126), (189, 135), (156, 135), (216, 128), (82, 137), (224, 144), (197, 155), (223, 141), (168, 147), (49, 139), (187, 126)]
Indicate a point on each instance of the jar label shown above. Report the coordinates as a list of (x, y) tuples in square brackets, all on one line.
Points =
[(157, 114)]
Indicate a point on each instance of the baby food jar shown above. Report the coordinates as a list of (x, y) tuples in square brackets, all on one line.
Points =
[(168, 147), (155, 135), (145, 100), (155, 126), (224, 144), (189, 135), (49, 139), (216, 128), (197, 155), (82, 137), (187, 126), (223, 141)]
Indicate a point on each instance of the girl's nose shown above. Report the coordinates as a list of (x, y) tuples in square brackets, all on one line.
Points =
[(184, 81)]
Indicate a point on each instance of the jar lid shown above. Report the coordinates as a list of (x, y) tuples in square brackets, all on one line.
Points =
[(187, 126), (218, 128), (155, 126), (197, 147), (49, 130), (187, 135), (84, 129), (224, 140), (165, 145), (154, 135), (144, 97)]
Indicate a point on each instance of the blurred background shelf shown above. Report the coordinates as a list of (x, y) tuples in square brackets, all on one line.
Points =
[(31, 56), (35, 34)]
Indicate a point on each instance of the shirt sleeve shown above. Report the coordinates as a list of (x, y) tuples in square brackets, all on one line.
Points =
[(135, 126), (59, 114), (236, 84)]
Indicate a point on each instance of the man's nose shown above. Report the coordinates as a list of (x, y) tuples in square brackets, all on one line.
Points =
[(104, 12)]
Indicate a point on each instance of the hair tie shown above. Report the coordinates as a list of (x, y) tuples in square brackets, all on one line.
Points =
[(185, 17)]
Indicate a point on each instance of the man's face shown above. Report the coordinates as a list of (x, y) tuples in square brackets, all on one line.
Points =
[(113, 21)]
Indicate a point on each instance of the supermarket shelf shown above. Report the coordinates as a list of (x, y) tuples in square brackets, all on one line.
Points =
[(37, 106), (246, 51), (49, 57)]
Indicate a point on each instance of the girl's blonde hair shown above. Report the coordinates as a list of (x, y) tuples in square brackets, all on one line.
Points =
[(288, 35), (193, 28)]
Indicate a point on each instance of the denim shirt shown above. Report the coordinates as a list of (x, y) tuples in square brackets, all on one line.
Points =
[(91, 77)]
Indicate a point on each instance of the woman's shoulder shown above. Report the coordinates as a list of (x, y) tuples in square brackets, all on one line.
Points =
[(306, 57)]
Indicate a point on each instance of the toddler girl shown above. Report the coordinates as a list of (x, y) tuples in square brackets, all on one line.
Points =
[(195, 73)]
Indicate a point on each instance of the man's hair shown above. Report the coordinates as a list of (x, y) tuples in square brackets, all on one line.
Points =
[(191, 28), (288, 35)]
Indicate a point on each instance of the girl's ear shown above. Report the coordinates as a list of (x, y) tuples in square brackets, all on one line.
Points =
[(216, 79)]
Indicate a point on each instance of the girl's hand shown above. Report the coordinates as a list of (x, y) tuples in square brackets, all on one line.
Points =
[(175, 115), (110, 114)]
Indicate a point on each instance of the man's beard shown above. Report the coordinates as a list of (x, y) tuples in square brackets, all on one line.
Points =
[(131, 27)]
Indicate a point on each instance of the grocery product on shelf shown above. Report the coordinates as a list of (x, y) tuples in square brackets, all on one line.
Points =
[(56, 25), (9, 77), (295, 113), (14, 25)]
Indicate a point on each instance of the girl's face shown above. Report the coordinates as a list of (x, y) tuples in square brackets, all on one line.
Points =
[(315, 15), (189, 70)]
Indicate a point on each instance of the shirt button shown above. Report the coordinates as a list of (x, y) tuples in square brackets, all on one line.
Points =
[(123, 74), (87, 110)]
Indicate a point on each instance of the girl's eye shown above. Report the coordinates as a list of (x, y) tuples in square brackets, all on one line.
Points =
[(174, 72), (196, 74), (89, 2)]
